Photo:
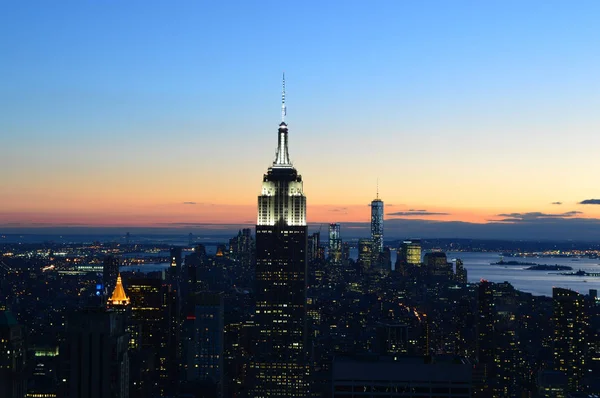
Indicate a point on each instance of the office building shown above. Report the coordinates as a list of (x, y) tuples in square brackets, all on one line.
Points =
[(154, 314), (486, 337), (94, 356), (365, 253), (241, 246), (571, 322), (314, 247), (175, 271), (110, 271), (335, 243), (148, 310), (345, 252), (460, 272), (409, 255), (13, 381), (43, 379), (203, 343), (486, 321), (436, 264), (279, 367)]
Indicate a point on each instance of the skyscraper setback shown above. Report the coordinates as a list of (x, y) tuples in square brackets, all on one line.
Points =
[(279, 367)]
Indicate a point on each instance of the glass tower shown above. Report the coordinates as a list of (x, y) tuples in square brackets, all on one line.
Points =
[(377, 226)]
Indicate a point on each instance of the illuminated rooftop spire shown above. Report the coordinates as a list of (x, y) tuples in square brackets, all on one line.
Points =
[(282, 157), (119, 297)]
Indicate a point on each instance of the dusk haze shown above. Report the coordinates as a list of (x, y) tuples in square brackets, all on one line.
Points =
[(148, 114)]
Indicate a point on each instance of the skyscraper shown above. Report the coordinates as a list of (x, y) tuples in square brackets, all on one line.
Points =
[(571, 323), (314, 246), (203, 341), (365, 253), (95, 361), (436, 264), (486, 335), (410, 252), (12, 360), (110, 271), (335, 243), (409, 256), (377, 226), (461, 272), (151, 311), (175, 270), (279, 367), (485, 323)]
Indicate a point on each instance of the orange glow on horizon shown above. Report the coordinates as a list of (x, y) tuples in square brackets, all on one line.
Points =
[(191, 214)]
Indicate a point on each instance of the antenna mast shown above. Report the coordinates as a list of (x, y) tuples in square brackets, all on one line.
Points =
[(283, 108)]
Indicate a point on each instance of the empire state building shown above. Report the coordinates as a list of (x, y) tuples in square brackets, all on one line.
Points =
[(279, 367)]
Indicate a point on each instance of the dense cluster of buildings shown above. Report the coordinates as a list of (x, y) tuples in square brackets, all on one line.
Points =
[(280, 313)]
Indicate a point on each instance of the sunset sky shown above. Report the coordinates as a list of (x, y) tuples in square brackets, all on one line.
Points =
[(154, 113)]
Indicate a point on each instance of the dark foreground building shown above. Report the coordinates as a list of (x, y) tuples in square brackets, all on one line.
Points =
[(401, 377), (94, 356), (12, 357)]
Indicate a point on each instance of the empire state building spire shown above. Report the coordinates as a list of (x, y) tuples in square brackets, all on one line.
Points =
[(282, 157)]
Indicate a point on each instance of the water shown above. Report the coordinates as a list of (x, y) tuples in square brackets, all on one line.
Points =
[(479, 267), (539, 283), (151, 267)]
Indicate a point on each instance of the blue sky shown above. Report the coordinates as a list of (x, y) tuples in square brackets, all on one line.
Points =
[(449, 103)]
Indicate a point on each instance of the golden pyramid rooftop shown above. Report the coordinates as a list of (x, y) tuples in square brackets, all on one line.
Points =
[(119, 297)]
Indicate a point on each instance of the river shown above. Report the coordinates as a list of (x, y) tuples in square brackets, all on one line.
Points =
[(479, 267)]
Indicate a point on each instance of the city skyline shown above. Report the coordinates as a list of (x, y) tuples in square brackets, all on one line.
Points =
[(423, 222), (460, 122)]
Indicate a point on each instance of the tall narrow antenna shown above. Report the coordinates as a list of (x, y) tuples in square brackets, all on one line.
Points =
[(377, 187), (283, 108)]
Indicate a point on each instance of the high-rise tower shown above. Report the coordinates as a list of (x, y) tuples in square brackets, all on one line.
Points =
[(279, 367), (13, 380), (110, 271), (94, 355), (335, 243), (571, 323), (377, 225)]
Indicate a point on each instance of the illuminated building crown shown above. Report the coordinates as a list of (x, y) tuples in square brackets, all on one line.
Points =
[(282, 199), (119, 297)]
